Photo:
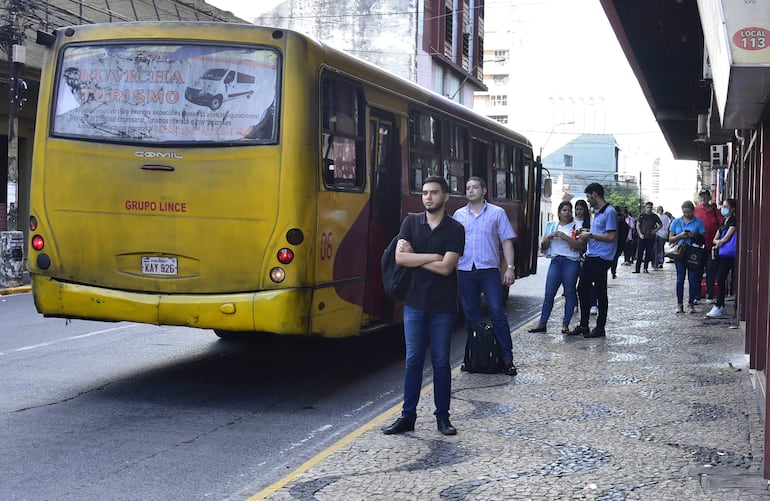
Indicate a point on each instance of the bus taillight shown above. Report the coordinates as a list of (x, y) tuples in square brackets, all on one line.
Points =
[(285, 256), (38, 243)]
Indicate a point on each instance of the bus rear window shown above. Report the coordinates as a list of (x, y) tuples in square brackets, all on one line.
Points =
[(167, 93)]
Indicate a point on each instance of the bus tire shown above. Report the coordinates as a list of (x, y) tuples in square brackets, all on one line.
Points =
[(231, 335), (216, 102)]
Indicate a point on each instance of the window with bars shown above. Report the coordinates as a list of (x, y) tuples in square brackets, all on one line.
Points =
[(448, 31), (503, 119), (498, 100)]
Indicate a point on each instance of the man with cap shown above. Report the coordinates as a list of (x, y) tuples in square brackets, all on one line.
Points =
[(709, 214)]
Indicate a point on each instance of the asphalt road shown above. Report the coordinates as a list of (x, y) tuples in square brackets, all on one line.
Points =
[(92, 410)]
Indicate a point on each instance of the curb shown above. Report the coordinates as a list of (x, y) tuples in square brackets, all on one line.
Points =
[(15, 290)]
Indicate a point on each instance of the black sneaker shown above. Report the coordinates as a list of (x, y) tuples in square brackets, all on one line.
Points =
[(509, 369), (595, 332)]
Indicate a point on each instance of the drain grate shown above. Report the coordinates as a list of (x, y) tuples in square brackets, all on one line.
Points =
[(751, 482)]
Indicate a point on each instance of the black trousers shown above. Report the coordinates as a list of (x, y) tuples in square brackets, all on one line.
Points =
[(725, 265), (593, 275), (646, 247)]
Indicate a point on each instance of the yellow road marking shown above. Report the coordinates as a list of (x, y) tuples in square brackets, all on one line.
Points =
[(339, 444)]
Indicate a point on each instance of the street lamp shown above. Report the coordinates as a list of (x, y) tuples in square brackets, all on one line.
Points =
[(542, 147), (472, 71)]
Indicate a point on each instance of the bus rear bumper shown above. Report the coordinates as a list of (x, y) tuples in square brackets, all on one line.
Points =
[(282, 311)]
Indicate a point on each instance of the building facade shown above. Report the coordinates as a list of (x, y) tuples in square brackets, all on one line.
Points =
[(438, 44)]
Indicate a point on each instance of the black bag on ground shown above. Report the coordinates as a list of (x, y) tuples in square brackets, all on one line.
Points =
[(395, 278), (482, 352)]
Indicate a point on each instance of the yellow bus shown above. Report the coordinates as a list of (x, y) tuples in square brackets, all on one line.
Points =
[(241, 178)]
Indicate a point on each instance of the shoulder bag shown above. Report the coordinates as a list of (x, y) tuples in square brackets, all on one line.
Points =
[(674, 251), (728, 249)]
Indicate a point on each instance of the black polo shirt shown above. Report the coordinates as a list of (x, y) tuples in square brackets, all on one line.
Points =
[(432, 292)]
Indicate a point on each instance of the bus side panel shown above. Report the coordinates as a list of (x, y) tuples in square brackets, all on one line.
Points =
[(340, 263)]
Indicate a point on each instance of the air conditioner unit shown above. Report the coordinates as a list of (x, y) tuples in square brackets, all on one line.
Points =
[(718, 155)]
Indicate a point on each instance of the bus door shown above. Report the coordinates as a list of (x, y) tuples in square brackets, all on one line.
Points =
[(385, 203)]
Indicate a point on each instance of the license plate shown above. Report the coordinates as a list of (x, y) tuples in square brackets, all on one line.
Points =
[(159, 265)]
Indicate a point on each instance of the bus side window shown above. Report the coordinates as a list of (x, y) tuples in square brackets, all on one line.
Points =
[(424, 148), (455, 155), (342, 138)]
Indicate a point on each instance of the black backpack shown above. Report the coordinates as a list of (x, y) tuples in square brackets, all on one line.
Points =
[(482, 352), (395, 278)]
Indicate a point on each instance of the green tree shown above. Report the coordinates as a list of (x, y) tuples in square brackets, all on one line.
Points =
[(622, 196)]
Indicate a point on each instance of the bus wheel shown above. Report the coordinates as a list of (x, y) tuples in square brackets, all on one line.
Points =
[(231, 335), (216, 102)]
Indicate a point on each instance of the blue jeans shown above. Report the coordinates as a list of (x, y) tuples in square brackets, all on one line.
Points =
[(561, 272), (472, 284), (693, 279), (420, 328)]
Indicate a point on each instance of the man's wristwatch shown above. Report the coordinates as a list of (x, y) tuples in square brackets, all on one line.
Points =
[(510, 267)]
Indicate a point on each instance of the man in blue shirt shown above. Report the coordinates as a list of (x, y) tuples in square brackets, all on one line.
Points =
[(430, 244), (602, 242), (486, 228)]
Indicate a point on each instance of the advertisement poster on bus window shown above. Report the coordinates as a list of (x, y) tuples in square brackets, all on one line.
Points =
[(167, 93)]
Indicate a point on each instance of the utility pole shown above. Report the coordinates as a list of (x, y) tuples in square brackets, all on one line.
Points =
[(12, 240)]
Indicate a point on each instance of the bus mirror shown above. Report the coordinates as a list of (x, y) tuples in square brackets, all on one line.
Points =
[(45, 39), (547, 186)]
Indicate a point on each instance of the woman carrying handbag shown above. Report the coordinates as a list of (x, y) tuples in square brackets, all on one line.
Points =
[(689, 230), (724, 241)]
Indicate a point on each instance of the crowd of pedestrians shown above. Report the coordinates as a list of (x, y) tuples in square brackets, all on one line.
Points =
[(458, 257), (702, 248)]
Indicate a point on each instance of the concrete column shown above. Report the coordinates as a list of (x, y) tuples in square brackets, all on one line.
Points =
[(11, 258)]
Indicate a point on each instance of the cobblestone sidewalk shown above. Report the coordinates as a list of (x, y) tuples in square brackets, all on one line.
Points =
[(662, 409)]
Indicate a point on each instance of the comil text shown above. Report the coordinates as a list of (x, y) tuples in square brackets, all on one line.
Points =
[(153, 206)]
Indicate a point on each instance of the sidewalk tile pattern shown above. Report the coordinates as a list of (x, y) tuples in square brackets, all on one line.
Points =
[(662, 409)]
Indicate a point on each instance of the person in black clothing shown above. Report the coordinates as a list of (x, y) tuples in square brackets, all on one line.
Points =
[(622, 236), (647, 225), (430, 243)]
